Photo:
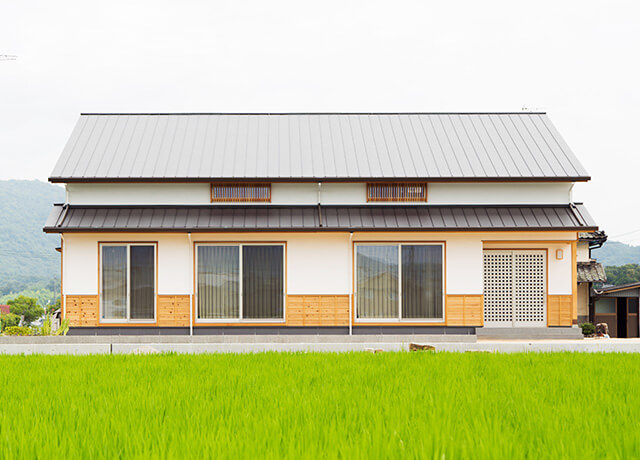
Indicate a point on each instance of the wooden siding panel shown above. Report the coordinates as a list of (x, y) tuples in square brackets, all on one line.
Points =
[(173, 310), (560, 310), (464, 310), (315, 310), (82, 310)]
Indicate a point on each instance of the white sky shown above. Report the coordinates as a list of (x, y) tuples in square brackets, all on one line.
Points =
[(578, 60)]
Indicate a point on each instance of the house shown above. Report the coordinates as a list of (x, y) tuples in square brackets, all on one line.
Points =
[(403, 222), (589, 272), (5, 309), (618, 307)]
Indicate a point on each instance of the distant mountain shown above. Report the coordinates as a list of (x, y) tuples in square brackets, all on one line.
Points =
[(27, 255), (615, 253)]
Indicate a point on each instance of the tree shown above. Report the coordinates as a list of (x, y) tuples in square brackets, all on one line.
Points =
[(53, 307), (27, 307), (623, 274)]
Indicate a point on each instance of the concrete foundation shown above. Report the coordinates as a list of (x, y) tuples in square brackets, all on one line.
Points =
[(336, 344)]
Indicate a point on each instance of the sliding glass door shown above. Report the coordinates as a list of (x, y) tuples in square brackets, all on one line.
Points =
[(127, 282), (241, 281), (399, 281)]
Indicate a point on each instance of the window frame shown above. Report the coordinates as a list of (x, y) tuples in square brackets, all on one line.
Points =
[(372, 185), (128, 319), (266, 199), (399, 318), (240, 319)]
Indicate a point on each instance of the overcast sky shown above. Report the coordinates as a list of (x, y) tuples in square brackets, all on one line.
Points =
[(578, 60)]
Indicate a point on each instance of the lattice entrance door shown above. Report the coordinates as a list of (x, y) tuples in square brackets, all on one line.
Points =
[(515, 288)]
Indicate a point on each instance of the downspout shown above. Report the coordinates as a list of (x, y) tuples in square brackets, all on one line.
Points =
[(571, 192), (351, 287), (63, 299), (191, 263), (320, 203)]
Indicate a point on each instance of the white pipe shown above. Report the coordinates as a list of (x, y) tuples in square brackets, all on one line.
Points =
[(351, 288), (63, 299), (571, 192), (192, 300)]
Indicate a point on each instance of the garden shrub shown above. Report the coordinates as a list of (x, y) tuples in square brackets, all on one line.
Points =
[(17, 330), (8, 320), (588, 329)]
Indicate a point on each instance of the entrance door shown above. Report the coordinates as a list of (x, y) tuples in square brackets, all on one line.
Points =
[(515, 288), (621, 310)]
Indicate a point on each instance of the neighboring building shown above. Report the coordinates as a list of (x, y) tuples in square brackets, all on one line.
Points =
[(618, 307), (5, 309), (275, 222), (589, 272)]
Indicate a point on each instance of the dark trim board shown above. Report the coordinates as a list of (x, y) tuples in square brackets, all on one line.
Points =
[(274, 330)]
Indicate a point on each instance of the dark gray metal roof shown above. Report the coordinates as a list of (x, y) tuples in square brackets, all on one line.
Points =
[(591, 272), (305, 146), (623, 290), (314, 218)]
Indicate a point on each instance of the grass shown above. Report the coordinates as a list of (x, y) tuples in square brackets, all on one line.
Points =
[(357, 405)]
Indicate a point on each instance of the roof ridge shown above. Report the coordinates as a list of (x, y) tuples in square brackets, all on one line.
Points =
[(311, 113)]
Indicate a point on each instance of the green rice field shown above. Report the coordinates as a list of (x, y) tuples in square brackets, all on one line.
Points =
[(355, 405)]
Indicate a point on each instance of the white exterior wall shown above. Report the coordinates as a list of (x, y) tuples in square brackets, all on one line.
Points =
[(583, 251), (331, 193), (317, 263)]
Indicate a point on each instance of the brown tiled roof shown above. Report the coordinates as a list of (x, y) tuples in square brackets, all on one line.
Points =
[(591, 272)]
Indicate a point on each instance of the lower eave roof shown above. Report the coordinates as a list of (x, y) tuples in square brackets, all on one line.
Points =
[(269, 218), (591, 272)]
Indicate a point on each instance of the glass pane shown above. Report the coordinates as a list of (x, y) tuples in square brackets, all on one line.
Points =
[(142, 282), (606, 305), (218, 282), (421, 281), (114, 282), (377, 281), (262, 282)]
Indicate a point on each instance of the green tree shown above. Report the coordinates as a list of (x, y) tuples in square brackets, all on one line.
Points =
[(623, 274), (27, 307)]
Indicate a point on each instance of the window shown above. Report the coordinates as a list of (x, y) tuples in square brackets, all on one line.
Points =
[(236, 282), (399, 281), (127, 282), (397, 192), (241, 193)]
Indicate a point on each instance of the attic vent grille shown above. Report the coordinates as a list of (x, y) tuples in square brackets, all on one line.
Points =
[(397, 192), (258, 193)]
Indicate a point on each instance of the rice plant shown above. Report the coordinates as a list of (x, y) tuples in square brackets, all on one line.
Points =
[(353, 405)]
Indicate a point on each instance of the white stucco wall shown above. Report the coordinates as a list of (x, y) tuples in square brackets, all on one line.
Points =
[(331, 193), (583, 251), (317, 263)]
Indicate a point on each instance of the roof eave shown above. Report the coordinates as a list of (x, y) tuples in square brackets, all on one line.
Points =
[(307, 229), (69, 180)]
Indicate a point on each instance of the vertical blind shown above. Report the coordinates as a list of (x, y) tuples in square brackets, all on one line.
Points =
[(421, 281), (128, 280), (142, 275), (262, 282), (114, 282), (218, 282), (218, 279), (378, 283)]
